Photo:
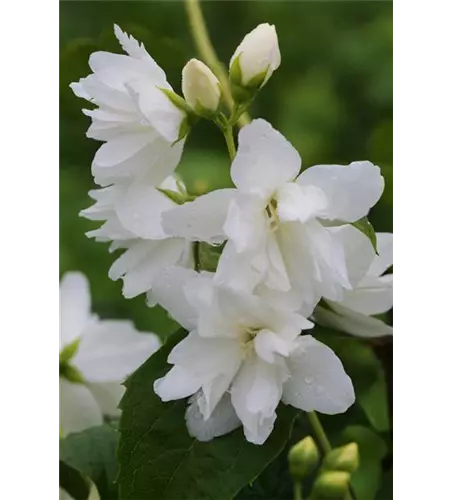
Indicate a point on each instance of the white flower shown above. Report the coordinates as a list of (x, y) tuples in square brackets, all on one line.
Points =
[(241, 357), (276, 222), (257, 56), (132, 215), (372, 293), (201, 88), (95, 357), (136, 119)]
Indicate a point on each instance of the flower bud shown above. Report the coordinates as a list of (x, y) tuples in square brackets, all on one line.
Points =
[(331, 484), (201, 88), (303, 458), (344, 459), (254, 61)]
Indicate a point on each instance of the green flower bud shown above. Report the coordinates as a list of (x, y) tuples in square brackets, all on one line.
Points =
[(303, 458), (345, 458), (331, 484)]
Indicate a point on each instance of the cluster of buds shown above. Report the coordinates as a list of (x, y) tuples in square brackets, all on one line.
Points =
[(334, 474)]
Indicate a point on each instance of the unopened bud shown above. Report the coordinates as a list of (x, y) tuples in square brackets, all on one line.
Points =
[(254, 62), (331, 484), (201, 88), (345, 458), (303, 458)]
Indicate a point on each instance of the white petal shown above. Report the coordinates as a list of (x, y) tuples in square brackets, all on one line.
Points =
[(75, 306), (176, 384), (206, 358), (301, 203), (384, 258), (351, 322), (139, 277), (78, 408), (168, 291), (358, 249), (268, 343), (240, 271), (108, 395), (222, 421), (113, 349), (372, 296), (265, 159), (157, 109), (317, 380), (351, 190), (246, 223), (140, 210), (276, 276), (121, 149), (201, 219), (255, 394)]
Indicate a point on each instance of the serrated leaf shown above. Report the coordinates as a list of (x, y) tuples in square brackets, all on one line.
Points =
[(158, 459), (92, 453), (368, 230), (366, 479)]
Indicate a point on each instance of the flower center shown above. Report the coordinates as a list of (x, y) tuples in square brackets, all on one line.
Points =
[(248, 335), (272, 212)]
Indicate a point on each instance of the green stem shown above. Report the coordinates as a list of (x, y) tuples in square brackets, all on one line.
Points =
[(196, 256), (319, 431), (207, 53), (297, 491), (229, 136), (322, 438)]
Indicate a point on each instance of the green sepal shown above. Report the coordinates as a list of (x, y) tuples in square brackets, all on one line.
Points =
[(71, 373), (69, 351), (177, 197), (368, 230), (177, 100)]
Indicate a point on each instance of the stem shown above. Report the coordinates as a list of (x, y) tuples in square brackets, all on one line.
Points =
[(207, 53), (319, 432), (229, 136), (297, 491), (196, 256)]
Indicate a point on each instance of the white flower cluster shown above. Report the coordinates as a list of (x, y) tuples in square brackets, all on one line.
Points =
[(290, 242)]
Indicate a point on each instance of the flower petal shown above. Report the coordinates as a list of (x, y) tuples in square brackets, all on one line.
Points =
[(112, 349), (78, 408), (168, 291), (372, 296), (358, 249), (255, 394), (139, 274), (265, 159), (384, 258), (157, 109), (222, 421), (176, 384), (75, 306), (301, 203), (351, 190), (317, 380), (201, 219), (140, 210), (352, 322), (246, 224)]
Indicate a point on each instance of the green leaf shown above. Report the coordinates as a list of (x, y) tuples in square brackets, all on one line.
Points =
[(366, 371), (367, 229), (374, 402), (366, 479), (159, 460), (92, 454)]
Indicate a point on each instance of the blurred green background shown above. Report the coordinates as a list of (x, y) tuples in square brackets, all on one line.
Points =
[(331, 97)]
